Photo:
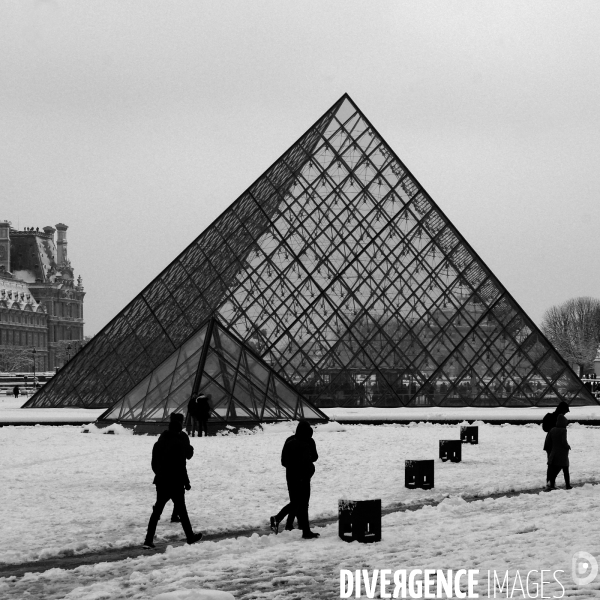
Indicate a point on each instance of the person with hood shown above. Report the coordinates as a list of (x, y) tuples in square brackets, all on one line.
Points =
[(169, 456), (557, 448), (298, 457), (549, 420)]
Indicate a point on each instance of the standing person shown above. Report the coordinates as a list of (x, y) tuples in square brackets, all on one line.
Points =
[(549, 420), (191, 421), (298, 455), (169, 456), (16, 391), (557, 448), (202, 414)]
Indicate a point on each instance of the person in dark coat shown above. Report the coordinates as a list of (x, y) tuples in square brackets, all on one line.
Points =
[(169, 456), (202, 414), (16, 391), (557, 448), (192, 419), (298, 457), (549, 420)]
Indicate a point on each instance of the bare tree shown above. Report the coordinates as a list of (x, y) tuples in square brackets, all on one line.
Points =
[(574, 330), (15, 358)]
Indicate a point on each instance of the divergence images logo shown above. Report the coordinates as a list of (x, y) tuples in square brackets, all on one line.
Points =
[(584, 568)]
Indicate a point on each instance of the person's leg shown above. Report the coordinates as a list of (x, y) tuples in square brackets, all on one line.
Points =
[(162, 497), (299, 495), (178, 495), (553, 471), (205, 428), (276, 519), (283, 513), (174, 516), (293, 491), (291, 517), (567, 477)]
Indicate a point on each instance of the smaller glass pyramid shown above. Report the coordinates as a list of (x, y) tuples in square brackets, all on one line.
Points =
[(215, 362)]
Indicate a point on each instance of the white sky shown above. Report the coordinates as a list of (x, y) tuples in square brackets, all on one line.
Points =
[(137, 122)]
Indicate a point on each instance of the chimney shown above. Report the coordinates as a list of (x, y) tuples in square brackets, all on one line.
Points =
[(5, 245), (49, 231), (61, 243)]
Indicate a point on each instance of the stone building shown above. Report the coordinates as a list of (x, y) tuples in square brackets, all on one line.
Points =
[(41, 303)]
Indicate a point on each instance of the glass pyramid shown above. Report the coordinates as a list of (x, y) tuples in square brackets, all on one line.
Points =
[(339, 271), (242, 387)]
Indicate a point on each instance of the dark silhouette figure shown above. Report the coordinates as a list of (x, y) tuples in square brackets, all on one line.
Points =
[(202, 414), (298, 455), (549, 420), (557, 448), (16, 391), (169, 457), (192, 417)]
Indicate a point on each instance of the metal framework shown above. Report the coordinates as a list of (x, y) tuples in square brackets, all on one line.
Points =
[(214, 361), (339, 271)]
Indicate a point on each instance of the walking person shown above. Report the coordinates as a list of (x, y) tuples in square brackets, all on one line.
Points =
[(202, 414), (16, 391), (298, 457), (549, 420), (169, 456), (191, 420), (557, 448)]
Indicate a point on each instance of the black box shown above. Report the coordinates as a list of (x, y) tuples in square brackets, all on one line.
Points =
[(451, 450), (419, 474), (469, 434), (360, 520)]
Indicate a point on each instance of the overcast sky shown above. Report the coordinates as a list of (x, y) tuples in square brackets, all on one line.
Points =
[(137, 122)]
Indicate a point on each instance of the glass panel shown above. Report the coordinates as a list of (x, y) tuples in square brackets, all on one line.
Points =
[(349, 285)]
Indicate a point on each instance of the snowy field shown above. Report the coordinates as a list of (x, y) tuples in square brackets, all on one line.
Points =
[(519, 535), (66, 492), (10, 412), (440, 413)]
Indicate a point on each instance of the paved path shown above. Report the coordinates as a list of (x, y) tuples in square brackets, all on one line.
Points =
[(116, 554)]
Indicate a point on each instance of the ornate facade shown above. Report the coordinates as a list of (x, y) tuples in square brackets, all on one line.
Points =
[(41, 303)]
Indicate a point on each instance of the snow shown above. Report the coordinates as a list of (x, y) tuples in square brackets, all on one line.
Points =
[(10, 412), (524, 533), (67, 493), (195, 595), (467, 413)]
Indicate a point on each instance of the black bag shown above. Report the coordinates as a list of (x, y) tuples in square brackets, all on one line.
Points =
[(548, 422)]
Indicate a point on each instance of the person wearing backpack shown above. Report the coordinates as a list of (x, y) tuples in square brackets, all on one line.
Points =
[(557, 448), (298, 457), (169, 456), (549, 420)]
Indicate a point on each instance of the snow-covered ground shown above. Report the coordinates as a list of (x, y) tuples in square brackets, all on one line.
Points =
[(467, 413), (10, 412), (519, 535), (67, 492)]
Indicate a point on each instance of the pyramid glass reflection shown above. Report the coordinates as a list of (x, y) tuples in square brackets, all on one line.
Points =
[(343, 276), (241, 387)]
